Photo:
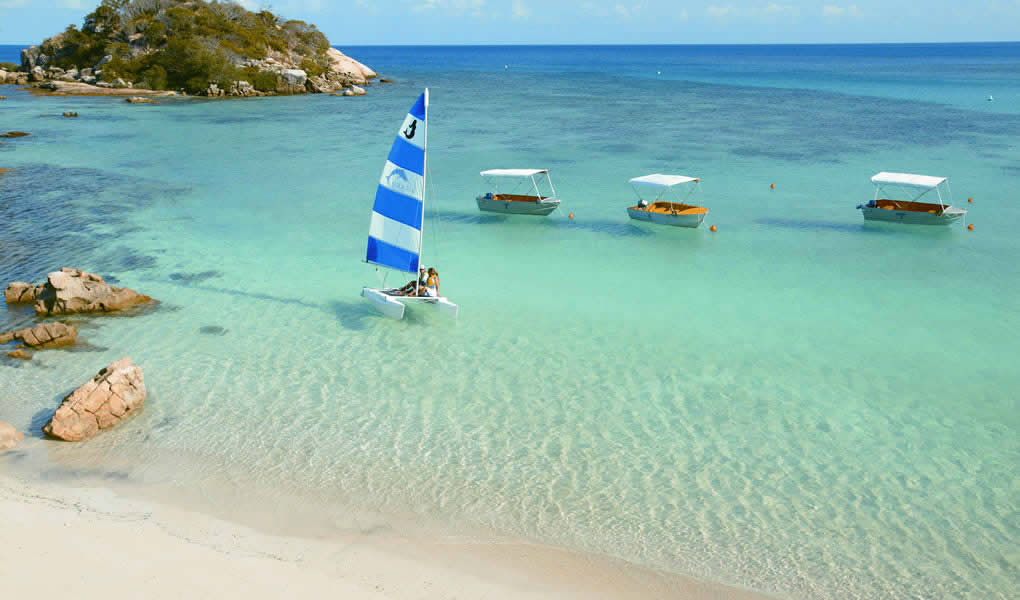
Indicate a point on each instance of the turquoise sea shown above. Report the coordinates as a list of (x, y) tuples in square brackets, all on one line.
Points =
[(799, 403)]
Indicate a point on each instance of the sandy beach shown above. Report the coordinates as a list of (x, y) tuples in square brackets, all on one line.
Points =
[(94, 543)]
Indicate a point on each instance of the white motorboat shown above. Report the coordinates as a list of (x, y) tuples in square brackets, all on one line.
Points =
[(511, 203), (902, 205), (398, 216), (663, 210)]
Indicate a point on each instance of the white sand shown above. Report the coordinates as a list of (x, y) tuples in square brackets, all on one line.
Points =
[(92, 543)]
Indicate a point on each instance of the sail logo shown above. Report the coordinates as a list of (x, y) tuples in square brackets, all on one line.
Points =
[(412, 131), (398, 182), (402, 181)]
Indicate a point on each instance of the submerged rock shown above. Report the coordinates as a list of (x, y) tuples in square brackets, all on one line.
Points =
[(49, 335), (14, 134), (70, 291), (139, 100), (115, 393), (9, 436), (20, 355)]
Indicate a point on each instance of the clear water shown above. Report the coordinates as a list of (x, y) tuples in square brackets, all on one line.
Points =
[(799, 403)]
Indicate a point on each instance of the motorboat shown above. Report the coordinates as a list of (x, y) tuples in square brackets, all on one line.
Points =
[(671, 204), (897, 200), (512, 203)]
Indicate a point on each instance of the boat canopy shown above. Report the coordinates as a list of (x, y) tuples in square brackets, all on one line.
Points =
[(659, 181), (513, 172), (924, 182)]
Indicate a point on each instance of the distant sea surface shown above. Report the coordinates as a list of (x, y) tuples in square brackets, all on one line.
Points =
[(799, 403)]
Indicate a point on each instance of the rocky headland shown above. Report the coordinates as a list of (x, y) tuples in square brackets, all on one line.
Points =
[(168, 47)]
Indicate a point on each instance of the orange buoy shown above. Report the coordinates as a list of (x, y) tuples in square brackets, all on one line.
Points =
[(712, 228), (772, 186), (970, 227), (970, 199), (570, 216)]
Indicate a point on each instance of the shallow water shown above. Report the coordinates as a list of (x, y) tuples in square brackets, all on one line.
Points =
[(800, 403)]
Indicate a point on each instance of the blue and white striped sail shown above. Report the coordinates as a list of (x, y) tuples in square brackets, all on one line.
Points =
[(394, 234)]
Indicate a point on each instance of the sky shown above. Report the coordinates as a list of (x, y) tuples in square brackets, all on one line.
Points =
[(384, 22)]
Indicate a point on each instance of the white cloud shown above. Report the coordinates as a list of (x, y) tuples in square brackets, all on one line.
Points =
[(519, 10), (769, 11), (838, 11), (454, 7), (627, 12), (785, 9), (426, 5), (720, 12)]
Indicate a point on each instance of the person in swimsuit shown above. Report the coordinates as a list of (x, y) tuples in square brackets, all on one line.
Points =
[(432, 283), (408, 290)]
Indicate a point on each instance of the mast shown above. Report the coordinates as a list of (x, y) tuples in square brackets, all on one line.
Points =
[(424, 192)]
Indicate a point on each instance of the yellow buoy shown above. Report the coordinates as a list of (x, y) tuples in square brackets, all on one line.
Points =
[(712, 228), (772, 186), (970, 227), (970, 199), (570, 216)]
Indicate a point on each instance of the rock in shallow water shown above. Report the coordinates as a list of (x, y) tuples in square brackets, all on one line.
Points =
[(9, 436), (75, 291), (114, 394), (20, 292), (49, 335), (20, 355)]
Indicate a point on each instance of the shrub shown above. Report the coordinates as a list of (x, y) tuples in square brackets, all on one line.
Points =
[(154, 78), (265, 81)]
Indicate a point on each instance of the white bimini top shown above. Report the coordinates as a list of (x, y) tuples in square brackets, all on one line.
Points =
[(659, 181), (924, 182), (513, 172)]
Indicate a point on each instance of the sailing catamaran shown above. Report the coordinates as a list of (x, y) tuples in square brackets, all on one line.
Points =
[(398, 215)]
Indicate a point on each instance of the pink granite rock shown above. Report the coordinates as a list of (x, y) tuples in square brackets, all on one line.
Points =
[(114, 394), (20, 292), (9, 436), (74, 291), (47, 335)]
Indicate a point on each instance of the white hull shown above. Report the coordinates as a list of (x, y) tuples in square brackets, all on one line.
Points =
[(681, 220), (393, 306), (908, 217), (518, 208)]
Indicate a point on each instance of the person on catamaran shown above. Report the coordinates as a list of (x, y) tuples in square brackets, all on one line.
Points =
[(408, 290), (432, 283)]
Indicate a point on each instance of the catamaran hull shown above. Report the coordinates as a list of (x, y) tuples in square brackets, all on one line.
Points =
[(681, 220), (384, 303), (517, 208), (394, 306), (908, 217)]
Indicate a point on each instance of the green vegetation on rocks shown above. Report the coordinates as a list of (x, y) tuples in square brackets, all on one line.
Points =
[(194, 46)]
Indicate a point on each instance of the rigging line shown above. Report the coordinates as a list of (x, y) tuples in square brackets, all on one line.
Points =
[(435, 213)]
